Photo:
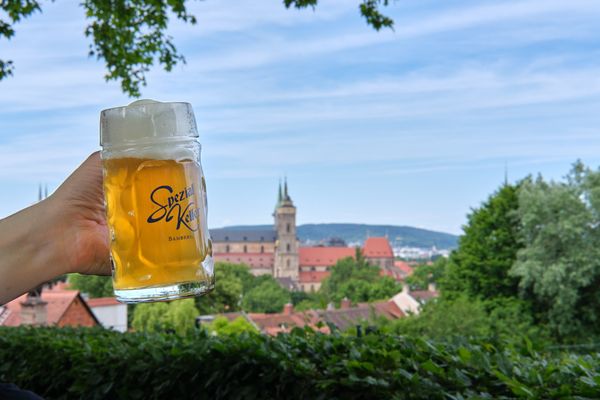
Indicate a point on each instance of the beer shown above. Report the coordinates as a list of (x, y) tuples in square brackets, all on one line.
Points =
[(156, 211), (153, 221)]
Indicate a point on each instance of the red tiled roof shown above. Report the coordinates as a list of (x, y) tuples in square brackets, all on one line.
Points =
[(345, 318), (273, 324), (254, 260), (312, 276), (103, 302), (388, 309), (58, 302), (404, 267), (376, 247), (395, 272), (324, 256)]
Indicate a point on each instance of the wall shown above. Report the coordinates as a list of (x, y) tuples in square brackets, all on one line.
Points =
[(112, 317)]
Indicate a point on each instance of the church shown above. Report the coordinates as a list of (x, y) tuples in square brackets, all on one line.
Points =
[(278, 252)]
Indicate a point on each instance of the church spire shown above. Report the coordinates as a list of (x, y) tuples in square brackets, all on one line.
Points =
[(280, 197), (286, 195), (40, 192)]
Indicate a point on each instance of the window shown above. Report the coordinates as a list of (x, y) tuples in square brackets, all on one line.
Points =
[(288, 263), (313, 268), (262, 238), (262, 249), (227, 249), (245, 249), (245, 238), (226, 238), (288, 247), (288, 227)]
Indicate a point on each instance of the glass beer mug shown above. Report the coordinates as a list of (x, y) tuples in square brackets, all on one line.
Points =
[(155, 197)]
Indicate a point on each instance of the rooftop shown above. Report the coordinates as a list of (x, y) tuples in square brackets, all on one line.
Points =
[(58, 301), (224, 235), (345, 318), (376, 247), (103, 302), (324, 256)]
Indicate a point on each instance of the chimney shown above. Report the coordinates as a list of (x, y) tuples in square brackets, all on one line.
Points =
[(345, 303), (34, 311), (330, 306), (288, 309), (405, 288), (431, 287)]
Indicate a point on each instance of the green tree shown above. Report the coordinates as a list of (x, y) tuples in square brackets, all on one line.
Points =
[(487, 250), (355, 279), (178, 315), (267, 297), (222, 326), (559, 267), (231, 281), (501, 319), (94, 286), (130, 35), (425, 274), (150, 317)]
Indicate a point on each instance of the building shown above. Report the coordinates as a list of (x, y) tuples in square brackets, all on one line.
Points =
[(109, 312), (411, 301), (343, 318), (377, 251), (54, 306), (316, 264), (277, 251)]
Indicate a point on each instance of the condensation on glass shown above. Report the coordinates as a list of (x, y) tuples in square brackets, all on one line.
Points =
[(156, 205)]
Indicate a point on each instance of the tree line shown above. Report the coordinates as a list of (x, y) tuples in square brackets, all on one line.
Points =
[(528, 263)]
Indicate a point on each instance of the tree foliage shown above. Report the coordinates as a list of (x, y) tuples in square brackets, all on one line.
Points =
[(266, 297), (130, 35), (369, 9), (559, 267), (357, 280), (461, 317), (480, 267), (93, 285), (231, 282), (101, 364), (179, 316), (425, 274), (222, 326)]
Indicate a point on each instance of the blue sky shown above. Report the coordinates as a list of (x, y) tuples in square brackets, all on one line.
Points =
[(411, 127)]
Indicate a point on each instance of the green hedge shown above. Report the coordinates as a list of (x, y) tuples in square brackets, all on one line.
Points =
[(99, 364)]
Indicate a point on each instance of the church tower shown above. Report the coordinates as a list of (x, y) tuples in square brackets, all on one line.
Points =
[(286, 247)]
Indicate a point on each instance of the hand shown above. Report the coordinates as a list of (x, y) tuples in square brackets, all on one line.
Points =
[(66, 232), (77, 209)]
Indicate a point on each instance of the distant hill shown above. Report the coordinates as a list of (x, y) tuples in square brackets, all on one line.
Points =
[(353, 233)]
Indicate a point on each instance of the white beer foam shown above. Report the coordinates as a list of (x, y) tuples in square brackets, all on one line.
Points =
[(145, 128)]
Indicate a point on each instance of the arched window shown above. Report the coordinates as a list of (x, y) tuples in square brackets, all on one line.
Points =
[(245, 249), (227, 249), (288, 227), (262, 249), (288, 247)]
